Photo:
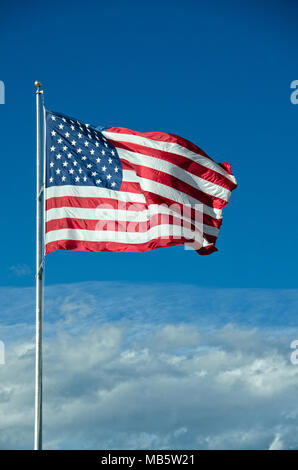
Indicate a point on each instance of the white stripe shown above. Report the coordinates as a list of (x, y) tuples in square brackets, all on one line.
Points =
[(174, 170), (172, 148), (91, 191), (130, 176), (178, 196), (112, 214), (120, 237), (147, 185)]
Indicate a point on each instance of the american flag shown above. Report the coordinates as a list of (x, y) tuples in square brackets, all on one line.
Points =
[(114, 189)]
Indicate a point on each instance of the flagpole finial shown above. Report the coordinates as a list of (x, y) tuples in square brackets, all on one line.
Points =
[(37, 84)]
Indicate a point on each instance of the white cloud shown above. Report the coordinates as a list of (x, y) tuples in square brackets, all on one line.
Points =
[(20, 270)]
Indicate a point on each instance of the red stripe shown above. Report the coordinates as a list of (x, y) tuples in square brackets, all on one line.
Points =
[(129, 187), (162, 137), (183, 162), (174, 183), (120, 247), (210, 238), (207, 250)]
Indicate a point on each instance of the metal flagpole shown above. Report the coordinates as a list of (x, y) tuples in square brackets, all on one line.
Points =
[(39, 281)]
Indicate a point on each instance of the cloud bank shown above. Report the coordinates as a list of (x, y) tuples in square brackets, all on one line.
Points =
[(151, 367)]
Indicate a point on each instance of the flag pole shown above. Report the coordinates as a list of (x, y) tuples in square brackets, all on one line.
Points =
[(39, 280)]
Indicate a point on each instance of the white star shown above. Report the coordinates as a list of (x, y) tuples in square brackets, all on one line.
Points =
[(73, 142), (63, 178), (61, 126), (89, 165), (77, 178), (69, 155), (80, 135), (105, 144), (64, 120), (75, 163), (104, 168), (52, 148), (79, 150), (116, 169), (84, 158), (113, 184), (85, 178), (97, 144), (64, 148), (92, 152), (110, 160), (109, 177), (53, 133), (59, 141), (67, 134), (51, 165), (72, 127), (112, 152), (71, 171), (58, 171), (86, 143), (80, 170), (51, 179), (58, 156), (98, 160), (94, 173), (53, 118), (65, 163), (98, 181), (103, 152)]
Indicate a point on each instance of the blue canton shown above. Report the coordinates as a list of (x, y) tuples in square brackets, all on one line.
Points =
[(78, 154)]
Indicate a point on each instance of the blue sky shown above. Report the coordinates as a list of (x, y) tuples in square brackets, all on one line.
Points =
[(217, 73)]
